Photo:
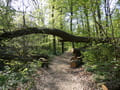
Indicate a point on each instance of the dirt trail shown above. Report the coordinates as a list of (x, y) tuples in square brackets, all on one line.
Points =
[(61, 77)]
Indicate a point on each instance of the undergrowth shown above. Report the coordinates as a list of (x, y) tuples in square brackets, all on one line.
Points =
[(101, 60), (17, 73)]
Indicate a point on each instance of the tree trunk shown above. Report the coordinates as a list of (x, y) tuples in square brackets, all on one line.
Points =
[(87, 20), (54, 38), (71, 16), (54, 44), (62, 47), (99, 23), (94, 17), (106, 12), (65, 36), (61, 24), (82, 22)]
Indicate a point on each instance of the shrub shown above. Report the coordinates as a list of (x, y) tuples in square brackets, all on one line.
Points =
[(100, 59), (17, 73)]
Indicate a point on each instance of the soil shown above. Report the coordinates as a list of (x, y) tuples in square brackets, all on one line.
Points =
[(60, 76)]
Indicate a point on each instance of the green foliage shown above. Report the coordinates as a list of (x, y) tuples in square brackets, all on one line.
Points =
[(6, 18), (100, 59), (17, 73)]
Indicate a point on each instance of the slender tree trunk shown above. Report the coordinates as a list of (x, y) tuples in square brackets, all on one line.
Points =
[(110, 17), (82, 23), (61, 26), (106, 12), (54, 44), (101, 29), (87, 20), (99, 18), (94, 18), (71, 16), (24, 38), (112, 26), (7, 16), (54, 37), (96, 28), (62, 43)]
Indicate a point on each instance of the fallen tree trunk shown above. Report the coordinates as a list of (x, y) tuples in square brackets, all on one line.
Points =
[(65, 36)]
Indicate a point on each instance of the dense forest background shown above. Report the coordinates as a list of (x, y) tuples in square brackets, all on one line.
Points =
[(85, 18)]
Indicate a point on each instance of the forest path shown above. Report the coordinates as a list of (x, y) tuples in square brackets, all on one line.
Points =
[(61, 77)]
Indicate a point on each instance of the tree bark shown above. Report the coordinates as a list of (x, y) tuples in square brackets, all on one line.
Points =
[(54, 37), (61, 24), (62, 47), (71, 19), (66, 37), (87, 20)]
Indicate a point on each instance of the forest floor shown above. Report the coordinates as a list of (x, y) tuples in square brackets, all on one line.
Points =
[(60, 76)]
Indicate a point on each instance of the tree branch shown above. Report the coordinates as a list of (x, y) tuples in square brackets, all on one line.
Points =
[(64, 35)]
